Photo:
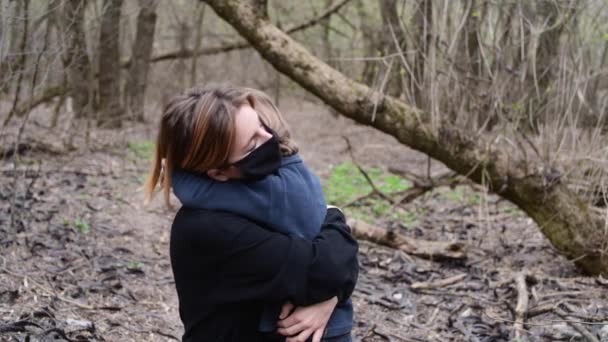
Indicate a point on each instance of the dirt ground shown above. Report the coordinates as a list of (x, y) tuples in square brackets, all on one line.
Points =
[(82, 259)]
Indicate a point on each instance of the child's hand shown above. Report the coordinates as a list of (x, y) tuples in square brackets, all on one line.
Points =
[(305, 321)]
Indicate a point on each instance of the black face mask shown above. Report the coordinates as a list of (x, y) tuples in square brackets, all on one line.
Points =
[(262, 161)]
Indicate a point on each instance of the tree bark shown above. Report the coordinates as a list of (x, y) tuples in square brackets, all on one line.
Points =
[(75, 56), (565, 219), (9, 62), (111, 110), (140, 55), (198, 40), (370, 66), (392, 34), (19, 61), (422, 25)]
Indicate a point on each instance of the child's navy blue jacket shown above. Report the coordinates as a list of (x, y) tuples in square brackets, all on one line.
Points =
[(290, 201)]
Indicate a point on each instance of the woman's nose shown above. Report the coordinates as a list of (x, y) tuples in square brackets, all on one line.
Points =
[(264, 134)]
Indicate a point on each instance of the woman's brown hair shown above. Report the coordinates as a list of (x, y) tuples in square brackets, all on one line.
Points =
[(197, 130)]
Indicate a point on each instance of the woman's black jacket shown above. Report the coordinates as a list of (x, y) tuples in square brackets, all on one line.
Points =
[(228, 268)]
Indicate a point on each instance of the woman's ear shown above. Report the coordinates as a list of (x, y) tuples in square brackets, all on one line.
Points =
[(218, 175)]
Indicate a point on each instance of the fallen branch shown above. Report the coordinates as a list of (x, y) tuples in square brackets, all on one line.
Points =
[(576, 325), (375, 189), (425, 285), (44, 96), (522, 304), (29, 146), (421, 188), (433, 250)]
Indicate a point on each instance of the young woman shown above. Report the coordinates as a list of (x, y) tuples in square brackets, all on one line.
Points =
[(227, 268)]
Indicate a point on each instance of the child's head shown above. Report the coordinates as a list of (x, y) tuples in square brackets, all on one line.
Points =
[(271, 116), (205, 129)]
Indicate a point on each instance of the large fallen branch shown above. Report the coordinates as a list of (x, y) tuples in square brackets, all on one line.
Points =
[(564, 218), (434, 250)]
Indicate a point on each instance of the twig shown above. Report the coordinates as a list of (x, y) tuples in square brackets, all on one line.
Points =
[(424, 285), (48, 291), (357, 199), (188, 53), (365, 175), (522, 304), (577, 326), (433, 250)]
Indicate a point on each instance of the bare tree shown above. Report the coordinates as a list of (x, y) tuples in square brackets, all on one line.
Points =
[(140, 56), (20, 61), (534, 185), (423, 41), (9, 66), (392, 40), (198, 40), (110, 107), (75, 56)]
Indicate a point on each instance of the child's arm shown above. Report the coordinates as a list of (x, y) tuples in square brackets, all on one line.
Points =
[(190, 188), (251, 199)]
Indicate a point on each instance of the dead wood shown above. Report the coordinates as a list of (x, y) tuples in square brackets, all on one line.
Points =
[(522, 304), (29, 145), (434, 250), (425, 285), (576, 325)]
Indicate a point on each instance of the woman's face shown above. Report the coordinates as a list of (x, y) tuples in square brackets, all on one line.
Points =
[(249, 134)]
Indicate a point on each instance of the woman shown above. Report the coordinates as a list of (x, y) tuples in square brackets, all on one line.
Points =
[(228, 268)]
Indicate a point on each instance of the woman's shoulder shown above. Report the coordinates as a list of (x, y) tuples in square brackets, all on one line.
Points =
[(205, 227), (188, 216), (209, 222)]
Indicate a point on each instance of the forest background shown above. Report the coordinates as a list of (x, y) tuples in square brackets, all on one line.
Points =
[(465, 139)]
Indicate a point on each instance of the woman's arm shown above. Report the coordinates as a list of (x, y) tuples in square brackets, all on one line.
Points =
[(248, 262)]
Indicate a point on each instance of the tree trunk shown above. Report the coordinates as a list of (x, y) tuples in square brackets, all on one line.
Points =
[(109, 65), (548, 42), (422, 31), (198, 40), (19, 61), (140, 56), (327, 47), (565, 219), (9, 62), (370, 67), (75, 56), (392, 35)]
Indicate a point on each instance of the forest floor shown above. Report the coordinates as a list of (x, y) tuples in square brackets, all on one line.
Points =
[(82, 258)]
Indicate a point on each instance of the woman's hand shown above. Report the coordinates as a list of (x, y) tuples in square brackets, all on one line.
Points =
[(305, 321)]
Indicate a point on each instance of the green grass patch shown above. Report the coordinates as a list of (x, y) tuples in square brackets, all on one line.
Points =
[(78, 224), (142, 149), (460, 195), (347, 183), (135, 265)]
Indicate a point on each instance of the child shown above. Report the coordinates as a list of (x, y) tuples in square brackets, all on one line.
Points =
[(290, 200)]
